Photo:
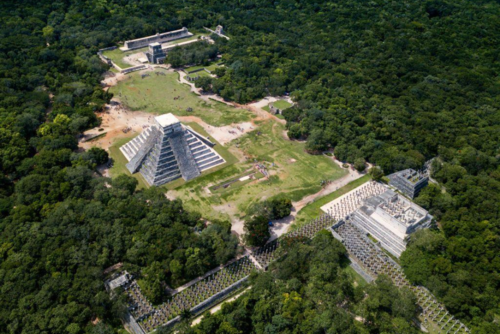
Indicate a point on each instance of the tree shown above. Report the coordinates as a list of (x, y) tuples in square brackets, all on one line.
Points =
[(316, 142), (125, 183), (257, 231), (205, 83), (99, 155), (153, 290), (376, 173), (13, 148), (48, 33), (275, 208), (360, 164)]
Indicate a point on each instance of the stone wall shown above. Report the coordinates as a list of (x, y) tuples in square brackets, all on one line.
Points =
[(158, 38)]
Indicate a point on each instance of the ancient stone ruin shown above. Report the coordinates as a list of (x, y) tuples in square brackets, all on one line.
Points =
[(387, 216), (409, 181), (169, 150), (158, 38)]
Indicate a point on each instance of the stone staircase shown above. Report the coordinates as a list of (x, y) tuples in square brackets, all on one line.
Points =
[(184, 156)]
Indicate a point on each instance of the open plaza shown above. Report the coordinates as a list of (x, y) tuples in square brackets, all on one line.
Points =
[(258, 160)]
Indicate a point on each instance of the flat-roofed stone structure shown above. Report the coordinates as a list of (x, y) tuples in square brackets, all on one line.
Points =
[(158, 38), (409, 181), (390, 218), (379, 211), (169, 150), (119, 281), (155, 54)]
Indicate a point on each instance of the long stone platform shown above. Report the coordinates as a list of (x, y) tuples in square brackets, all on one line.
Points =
[(376, 262)]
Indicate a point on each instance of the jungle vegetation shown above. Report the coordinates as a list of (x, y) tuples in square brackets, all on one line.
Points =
[(389, 82), (309, 291)]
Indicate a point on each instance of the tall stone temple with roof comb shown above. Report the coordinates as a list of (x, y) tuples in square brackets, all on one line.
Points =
[(169, 150)]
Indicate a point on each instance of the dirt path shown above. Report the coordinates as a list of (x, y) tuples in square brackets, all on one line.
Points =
[(112, 79)]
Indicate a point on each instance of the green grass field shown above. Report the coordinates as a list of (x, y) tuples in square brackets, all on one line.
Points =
[(213, 65), (282, 104), (235, 182), (177, 41), (295, 173), (313, 210), (117, 56), (156, 93), (119, 162), (356, 278), (194, 69), (196, 74)]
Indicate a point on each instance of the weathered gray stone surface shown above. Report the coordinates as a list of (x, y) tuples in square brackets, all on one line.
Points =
[(169, 150)]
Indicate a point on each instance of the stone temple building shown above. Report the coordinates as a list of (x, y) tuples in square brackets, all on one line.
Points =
[(219, 30), (390, 218), (169, 150), (155, 54), (375, 209), (409, 181)]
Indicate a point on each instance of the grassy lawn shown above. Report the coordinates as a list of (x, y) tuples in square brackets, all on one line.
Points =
[(194, 69), (235, 182), (313, 210), (198, 74), (355, 277), (213, 65), (156, 93), (119, 162), (282, 104), (182, 40), (117, 56), (294, 179)]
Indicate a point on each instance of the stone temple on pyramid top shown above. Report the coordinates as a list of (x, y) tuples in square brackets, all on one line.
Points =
[(169, 150)]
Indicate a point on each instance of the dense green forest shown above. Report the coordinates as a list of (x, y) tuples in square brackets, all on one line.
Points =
[(308, 291), (393, 83), (192, 54)]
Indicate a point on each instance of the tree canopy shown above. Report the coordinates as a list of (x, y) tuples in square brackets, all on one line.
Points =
[(303, 292), (391, 82)]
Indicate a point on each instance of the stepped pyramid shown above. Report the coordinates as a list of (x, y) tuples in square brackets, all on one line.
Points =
[(169, 150)]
